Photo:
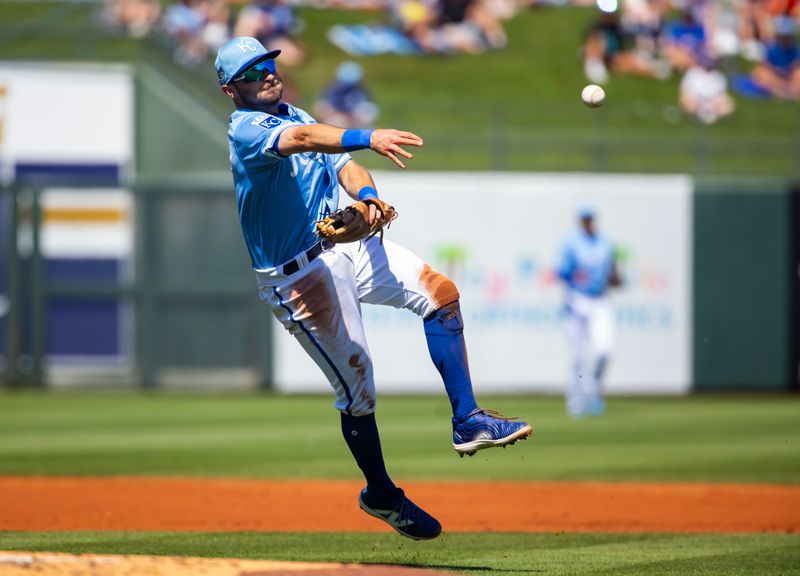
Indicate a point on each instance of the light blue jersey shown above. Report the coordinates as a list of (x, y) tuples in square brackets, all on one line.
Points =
[(586, 263), (275, 192)]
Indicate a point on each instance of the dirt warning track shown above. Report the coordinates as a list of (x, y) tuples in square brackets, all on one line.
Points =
[(191, 504)]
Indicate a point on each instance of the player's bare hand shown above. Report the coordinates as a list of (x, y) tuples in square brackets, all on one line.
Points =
[(390, 142)]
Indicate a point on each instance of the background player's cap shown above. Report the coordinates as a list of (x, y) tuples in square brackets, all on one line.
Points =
[(239, 54), (586, 211)]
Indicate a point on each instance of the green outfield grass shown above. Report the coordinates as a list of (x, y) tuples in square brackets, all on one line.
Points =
[(701, 438), (474, 554)]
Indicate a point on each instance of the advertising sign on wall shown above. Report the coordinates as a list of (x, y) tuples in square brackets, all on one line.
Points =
[(65, 119), (498, 235)]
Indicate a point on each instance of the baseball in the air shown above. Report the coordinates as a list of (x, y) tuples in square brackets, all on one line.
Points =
[(593, 95)]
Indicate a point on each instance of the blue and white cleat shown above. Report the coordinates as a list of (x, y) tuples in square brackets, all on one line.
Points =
[(487, 429), (405, 517)]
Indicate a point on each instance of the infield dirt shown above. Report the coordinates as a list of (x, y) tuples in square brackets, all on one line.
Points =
[(192, 504)]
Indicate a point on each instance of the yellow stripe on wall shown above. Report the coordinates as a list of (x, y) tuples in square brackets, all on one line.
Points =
[(84, 215)]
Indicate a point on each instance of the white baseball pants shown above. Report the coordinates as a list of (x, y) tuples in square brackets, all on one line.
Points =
[(320, 305), (590, 333)]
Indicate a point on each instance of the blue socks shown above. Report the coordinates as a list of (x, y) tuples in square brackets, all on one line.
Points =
[(444, 331), (361, 435)]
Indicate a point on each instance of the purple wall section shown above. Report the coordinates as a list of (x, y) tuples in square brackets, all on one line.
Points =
[(64, 173), (83, 327)]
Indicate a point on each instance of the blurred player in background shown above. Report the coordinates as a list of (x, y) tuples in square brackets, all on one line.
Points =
[(587, 265), (287, 170)]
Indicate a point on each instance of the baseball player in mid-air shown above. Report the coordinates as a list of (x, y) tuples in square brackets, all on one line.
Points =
[(588, 268), (287, 170)]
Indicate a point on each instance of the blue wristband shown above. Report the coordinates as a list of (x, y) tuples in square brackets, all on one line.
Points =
[(367, 192), (356, 139)]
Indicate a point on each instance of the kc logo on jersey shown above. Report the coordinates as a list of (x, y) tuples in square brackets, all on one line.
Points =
[(269, 122)]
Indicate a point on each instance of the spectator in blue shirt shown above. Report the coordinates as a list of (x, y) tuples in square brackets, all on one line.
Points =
[(779, 73), (684, 43), (346, 102)]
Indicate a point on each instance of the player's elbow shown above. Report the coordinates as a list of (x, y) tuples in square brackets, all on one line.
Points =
[(294, 140)]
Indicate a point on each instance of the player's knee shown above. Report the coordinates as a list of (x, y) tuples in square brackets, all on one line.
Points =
[(441, 290), (448, 292), (445, 321)]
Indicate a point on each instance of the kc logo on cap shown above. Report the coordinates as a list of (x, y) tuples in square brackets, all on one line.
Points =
[(246, 44)]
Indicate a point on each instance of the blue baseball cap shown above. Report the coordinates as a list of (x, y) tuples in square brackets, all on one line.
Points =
[(239, 54), (586, 211)]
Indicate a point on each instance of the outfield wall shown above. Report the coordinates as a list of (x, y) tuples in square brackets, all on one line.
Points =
[(743, 273), (151, 284), (497, 235)]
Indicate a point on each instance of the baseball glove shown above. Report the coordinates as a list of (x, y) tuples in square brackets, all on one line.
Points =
[(351, 224)]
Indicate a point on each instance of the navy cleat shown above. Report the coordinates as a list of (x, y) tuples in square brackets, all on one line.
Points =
[(486, 429), (405, 517)]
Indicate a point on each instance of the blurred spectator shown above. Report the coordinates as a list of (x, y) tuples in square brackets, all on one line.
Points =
[(416, 19), (430, 27), (779, 73), (609, 49), (455, 23), (472, 25), (273, 23), (684, 41), (346, 102), (755, 28), (723, 40), (347, 4), (784, 8), (134, 17), (704, 92), (184, 23), (217, 30), (197, 27), (643, 20)]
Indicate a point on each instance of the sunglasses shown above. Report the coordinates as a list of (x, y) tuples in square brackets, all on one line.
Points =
[(257, 72)]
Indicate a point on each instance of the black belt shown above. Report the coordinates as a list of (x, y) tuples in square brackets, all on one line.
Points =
[(292, 266)]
